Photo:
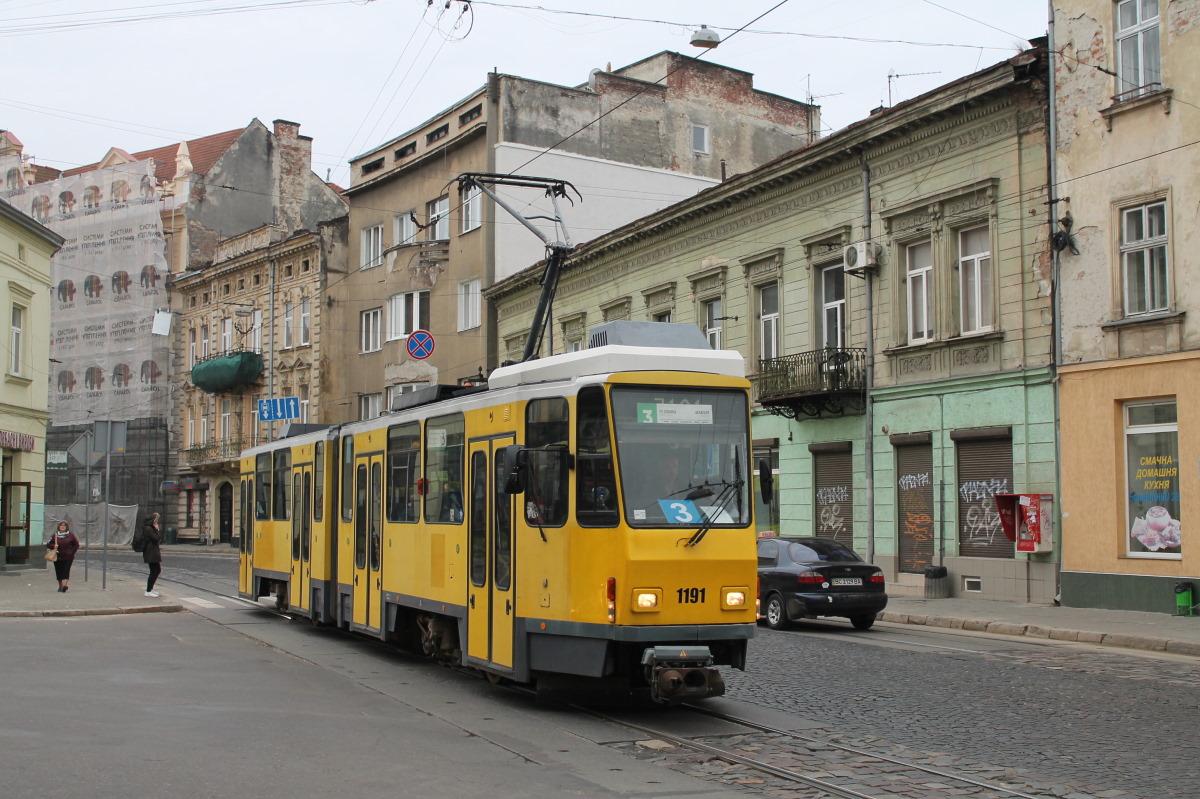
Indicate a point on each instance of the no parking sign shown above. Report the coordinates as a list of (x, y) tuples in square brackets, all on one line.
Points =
[(420, 344)]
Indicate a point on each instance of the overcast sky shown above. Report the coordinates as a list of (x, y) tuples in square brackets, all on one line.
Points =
[(81, 78)]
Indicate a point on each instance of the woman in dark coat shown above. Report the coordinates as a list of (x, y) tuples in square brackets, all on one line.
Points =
[(67, 545), (152, 554)]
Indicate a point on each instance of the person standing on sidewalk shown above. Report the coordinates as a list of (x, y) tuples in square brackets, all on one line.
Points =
[(152, 554), (65, 542)]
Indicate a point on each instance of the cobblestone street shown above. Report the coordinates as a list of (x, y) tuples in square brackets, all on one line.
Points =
[(1049, 721)]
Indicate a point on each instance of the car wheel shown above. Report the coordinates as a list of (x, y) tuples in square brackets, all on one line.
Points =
[(862, 622), (776, 615)]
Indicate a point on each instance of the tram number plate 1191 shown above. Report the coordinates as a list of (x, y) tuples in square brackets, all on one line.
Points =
[(690, 596)]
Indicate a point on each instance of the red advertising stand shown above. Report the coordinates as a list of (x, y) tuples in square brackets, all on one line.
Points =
[(1027, 520)]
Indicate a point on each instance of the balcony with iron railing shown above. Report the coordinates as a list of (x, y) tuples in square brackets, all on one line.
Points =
[(825, 382), (223, 451)]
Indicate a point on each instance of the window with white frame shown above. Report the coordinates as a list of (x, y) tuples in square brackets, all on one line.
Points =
[(203, 342), (712, 323), (369, 405), (191, 347), (472, 207), (303, 404), (16, 341), (256, 331), (700, 139), (438, 213), (405, 228), (833, 307), (203, 422), (400, 389), (1152, 470), (370, 330), (226, 419), (305, 321), (768, 321), (919, 292), (372, 246), (469, 304), (227, 334), (407, 312), (1139, 67), (191, 427), (1144, 259), (665, 316), (976, 283), (289, 318)]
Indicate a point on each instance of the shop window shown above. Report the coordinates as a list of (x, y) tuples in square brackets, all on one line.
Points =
[(1153, 524)]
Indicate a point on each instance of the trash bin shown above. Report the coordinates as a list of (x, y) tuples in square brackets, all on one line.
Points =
[(170, 536), (937, 582), (1183, 598)]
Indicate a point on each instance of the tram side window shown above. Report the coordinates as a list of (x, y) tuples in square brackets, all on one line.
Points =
[(283, 494), (596, 488), (318, 495), (444, 441), (262, 498), (403, 465), (347, 478), (547, 429)]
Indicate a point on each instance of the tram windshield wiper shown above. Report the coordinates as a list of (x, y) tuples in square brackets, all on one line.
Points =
[(731, 489)]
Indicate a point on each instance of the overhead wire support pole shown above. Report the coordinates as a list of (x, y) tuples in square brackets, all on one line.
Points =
[(556, 250)]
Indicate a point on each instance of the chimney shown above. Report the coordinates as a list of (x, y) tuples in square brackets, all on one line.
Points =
[(295, 171)]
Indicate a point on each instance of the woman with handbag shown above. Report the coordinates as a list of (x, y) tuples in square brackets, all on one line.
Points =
[(62, 547)]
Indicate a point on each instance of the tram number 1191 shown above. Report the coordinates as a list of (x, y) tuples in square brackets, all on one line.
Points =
[(690, 596)]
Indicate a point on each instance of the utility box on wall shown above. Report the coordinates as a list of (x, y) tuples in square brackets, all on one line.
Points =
[(1027, 520)]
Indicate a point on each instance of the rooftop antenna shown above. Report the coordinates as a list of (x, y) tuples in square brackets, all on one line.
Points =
[(892, 75)]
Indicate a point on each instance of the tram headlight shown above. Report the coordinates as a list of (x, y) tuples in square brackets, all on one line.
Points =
[(646, 600), (734, 598)]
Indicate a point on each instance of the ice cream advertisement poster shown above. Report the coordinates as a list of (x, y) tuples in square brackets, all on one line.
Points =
[(1154, 524)]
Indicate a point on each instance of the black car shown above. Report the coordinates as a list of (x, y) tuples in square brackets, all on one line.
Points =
[(803, 578)]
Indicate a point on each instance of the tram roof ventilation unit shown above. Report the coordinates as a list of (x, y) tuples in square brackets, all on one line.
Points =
[(649, 334), (430, 394), (291, 429), (614, 358)]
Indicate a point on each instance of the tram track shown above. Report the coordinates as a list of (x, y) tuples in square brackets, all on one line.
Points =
[(855, 775), (797, 760)]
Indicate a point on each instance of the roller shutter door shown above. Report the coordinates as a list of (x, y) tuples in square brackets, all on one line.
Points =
[(914, 495), (833, 480), (985, 468)]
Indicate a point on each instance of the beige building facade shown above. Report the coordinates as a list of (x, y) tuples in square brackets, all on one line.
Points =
[(631, 140), (251, 323), (1127, 177)]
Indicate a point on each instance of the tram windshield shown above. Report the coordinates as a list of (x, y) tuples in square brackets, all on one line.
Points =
[(682, 456)]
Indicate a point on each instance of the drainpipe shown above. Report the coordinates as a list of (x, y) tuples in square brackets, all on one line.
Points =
[(1056, 301), (869, 421)]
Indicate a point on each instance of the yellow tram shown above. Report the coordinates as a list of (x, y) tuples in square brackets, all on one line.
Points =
[(584, 520)]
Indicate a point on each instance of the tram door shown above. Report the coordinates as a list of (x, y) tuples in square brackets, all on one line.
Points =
[(246, 534), (490, 611), (368, 530), (301, 579)]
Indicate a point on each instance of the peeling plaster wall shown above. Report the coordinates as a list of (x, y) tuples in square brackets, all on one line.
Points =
[(1112, 156)]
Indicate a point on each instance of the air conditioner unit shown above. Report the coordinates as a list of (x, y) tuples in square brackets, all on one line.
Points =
[(860, 255)]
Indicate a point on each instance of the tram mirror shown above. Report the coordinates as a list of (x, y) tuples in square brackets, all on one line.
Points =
[(766, 481), (516, 466)]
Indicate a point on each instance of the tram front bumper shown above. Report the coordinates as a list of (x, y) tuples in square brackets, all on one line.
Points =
[(677, 673)]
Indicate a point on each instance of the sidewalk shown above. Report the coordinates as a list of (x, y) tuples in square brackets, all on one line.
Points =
[(32, 593)]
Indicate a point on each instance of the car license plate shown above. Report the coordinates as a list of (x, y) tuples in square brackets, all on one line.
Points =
[(846, 581)]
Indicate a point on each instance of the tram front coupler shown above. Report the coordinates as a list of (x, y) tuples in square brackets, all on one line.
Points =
[(678, 673)]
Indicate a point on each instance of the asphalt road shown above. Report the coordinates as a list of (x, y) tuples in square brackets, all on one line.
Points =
[(156, 707)]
